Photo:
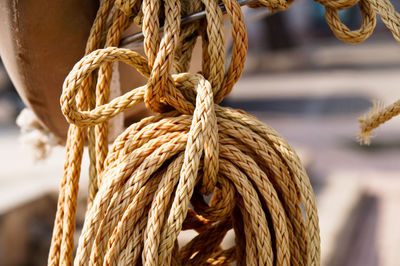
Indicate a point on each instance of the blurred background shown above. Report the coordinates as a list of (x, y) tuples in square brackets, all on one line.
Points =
[(302, 81)]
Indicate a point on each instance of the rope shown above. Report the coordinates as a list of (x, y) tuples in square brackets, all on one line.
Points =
[(156, 178), (35, 136), (391, 18)]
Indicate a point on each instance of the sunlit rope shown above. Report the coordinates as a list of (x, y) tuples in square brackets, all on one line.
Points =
[(153, 182)]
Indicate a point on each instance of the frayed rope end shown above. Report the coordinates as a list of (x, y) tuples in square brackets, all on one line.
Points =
[(368, 121), (35, 136)]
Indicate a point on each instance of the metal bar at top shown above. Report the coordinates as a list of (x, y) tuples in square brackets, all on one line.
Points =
[(137, 37)]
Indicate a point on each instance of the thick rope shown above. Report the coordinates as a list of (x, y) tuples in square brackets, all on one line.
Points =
[(140, 190), (153, 182)]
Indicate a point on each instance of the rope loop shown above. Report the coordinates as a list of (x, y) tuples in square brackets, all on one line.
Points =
[(341, 31), (83, 69), (105, 112)]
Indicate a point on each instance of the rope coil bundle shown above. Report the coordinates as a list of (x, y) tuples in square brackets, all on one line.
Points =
[(141, 189)]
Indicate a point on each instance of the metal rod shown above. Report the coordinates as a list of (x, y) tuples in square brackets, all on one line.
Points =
[(137, 37)]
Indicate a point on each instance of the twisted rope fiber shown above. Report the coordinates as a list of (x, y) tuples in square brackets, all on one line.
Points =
[(156, 178)]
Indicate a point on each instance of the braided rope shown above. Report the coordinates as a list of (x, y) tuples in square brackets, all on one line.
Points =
[(158, 166), (153, 182)]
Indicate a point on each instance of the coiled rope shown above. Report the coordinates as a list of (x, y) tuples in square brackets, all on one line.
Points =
[(140, 190), (155, 180)]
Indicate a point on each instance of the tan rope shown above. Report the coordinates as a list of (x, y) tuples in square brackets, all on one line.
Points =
[(369, 9), (74, 150), (153, 182)]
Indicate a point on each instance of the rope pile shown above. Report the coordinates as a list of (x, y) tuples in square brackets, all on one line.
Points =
[(141, 190), (194, 165)]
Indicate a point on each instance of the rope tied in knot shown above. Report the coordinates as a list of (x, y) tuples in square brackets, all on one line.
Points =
[(193, 166)]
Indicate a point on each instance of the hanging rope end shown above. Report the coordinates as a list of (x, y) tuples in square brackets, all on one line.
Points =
[(369, 122), (35, 136)]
